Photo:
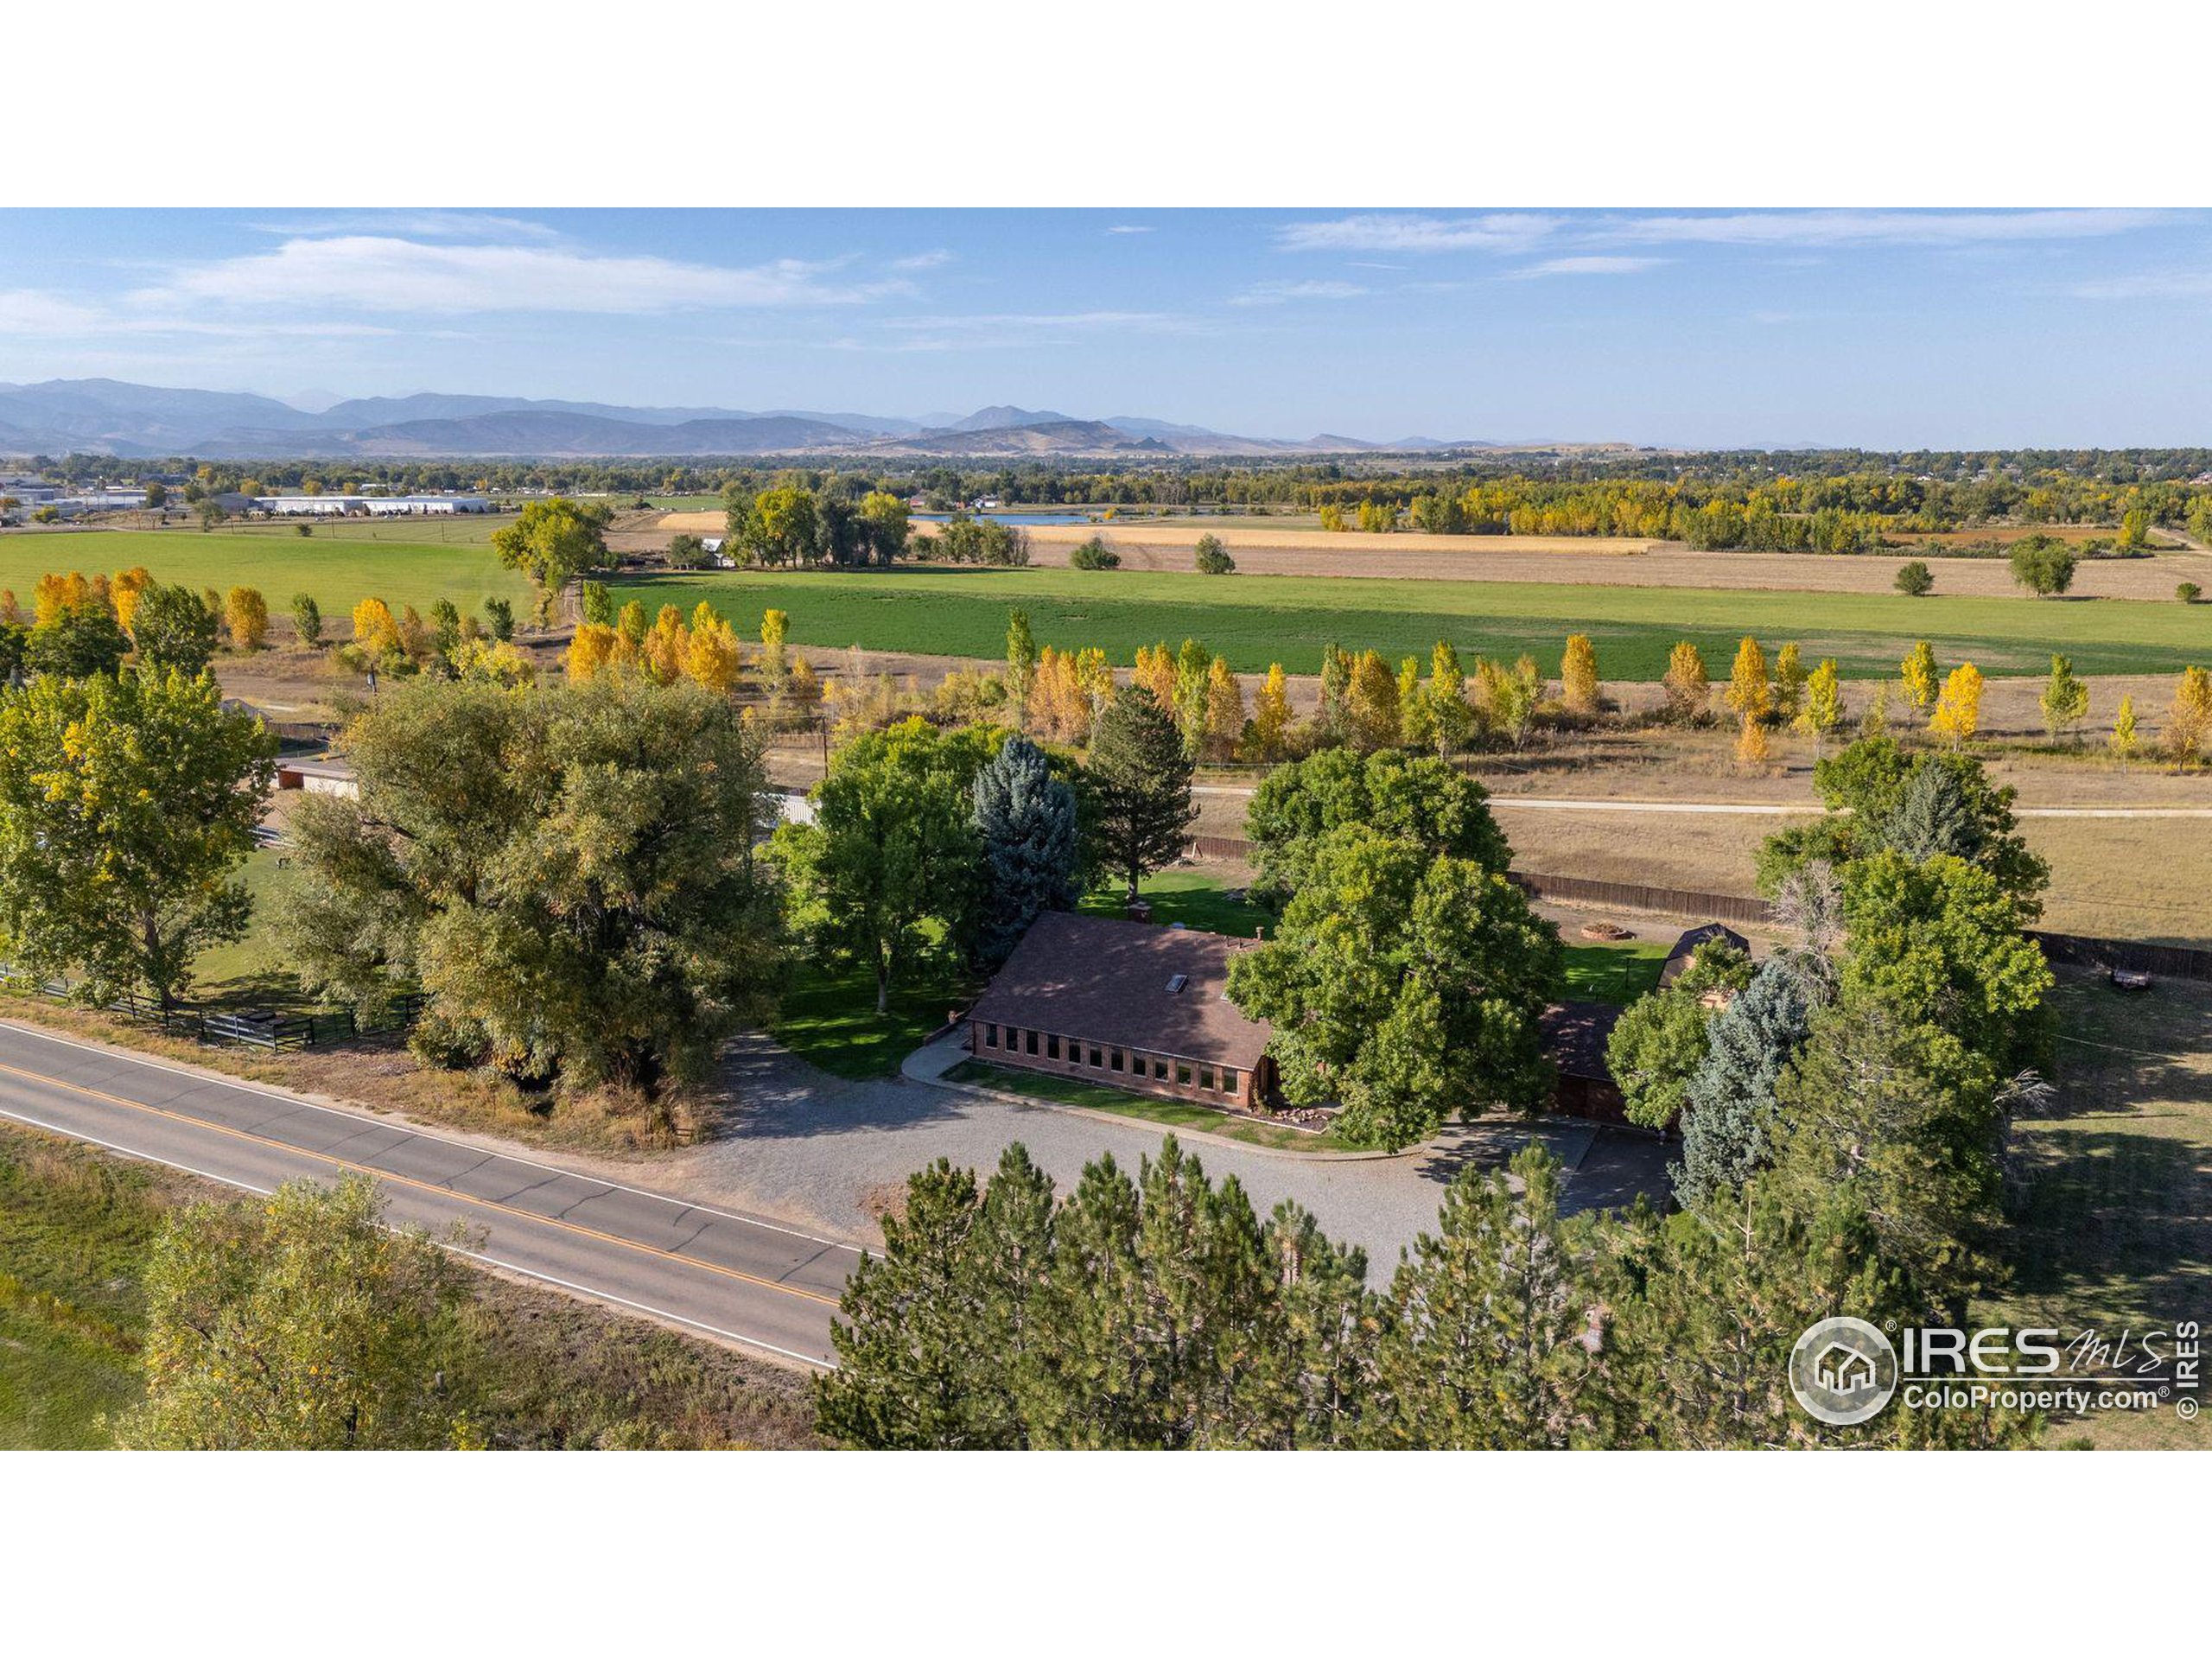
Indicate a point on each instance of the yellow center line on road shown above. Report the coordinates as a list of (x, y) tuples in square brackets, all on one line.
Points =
[(374, 1174)]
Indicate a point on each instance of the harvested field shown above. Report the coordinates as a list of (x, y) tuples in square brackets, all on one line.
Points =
[(1155, 545)]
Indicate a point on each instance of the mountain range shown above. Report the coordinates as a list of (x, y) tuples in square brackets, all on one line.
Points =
[(117, 418)]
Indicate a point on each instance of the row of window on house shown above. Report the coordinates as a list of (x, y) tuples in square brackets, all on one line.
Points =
[(1091, 1056)]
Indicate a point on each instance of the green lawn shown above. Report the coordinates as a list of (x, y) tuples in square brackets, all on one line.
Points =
[(411, 563), (1254, 620), (1185, 896), (252, 968), (1620, 973), (1168, 1113), (829, 1018)]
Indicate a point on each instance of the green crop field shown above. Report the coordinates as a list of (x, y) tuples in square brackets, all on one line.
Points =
[(1254, 620), (413, 563)]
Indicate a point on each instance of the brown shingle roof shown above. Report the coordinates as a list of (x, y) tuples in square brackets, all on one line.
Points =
[(1575, 1034), (1106, 981)]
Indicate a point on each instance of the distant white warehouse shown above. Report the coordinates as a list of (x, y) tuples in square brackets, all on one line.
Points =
[(375, 506)]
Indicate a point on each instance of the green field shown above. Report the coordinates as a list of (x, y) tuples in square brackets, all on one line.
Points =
[(1254, 620), (414, 563)]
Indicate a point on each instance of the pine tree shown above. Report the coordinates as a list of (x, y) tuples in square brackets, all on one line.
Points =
[(1143, 776), (1487, 1339), (1026, 820), (1728, 1108)]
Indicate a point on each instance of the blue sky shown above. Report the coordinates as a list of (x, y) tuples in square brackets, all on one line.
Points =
[(1707, 327)]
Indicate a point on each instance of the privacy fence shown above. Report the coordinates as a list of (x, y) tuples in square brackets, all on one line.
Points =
[(2173, 961)]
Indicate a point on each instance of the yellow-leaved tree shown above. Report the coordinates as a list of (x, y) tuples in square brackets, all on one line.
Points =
[(1577, 676), (1687, 688), (1271, 715), (1958, 709), (1924, 681), (2189, 722), (1751, 687)]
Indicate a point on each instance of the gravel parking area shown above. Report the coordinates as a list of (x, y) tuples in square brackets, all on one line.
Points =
[(824, 1152)]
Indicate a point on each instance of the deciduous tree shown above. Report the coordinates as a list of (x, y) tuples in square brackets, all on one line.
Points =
[(126, 807)]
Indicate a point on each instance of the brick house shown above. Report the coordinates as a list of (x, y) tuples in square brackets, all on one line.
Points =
[(1126, 1004)]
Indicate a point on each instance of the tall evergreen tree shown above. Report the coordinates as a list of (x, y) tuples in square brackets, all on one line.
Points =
[(935, 1327), (1728, 1108), (1025, 819), (1491, 1336), (1143, 778)]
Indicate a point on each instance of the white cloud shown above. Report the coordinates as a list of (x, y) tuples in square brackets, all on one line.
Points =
[(1281, 292), (1128, 230), (1591, 265), (1417, 233), (381, 273), (29, 311), (929, 261), (1834, 227)]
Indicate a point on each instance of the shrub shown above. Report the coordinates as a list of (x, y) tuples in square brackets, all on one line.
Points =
[(2187, 592), (1916, 578), (1095, 554), (1213, 558)]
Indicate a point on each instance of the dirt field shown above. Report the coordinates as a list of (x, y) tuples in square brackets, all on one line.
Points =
[(1601, 562)]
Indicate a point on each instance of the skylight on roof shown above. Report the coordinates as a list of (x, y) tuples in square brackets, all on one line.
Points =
[(1176, 982)]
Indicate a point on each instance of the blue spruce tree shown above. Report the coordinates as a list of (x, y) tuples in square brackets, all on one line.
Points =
[(1027, 820), (1728, 1108)]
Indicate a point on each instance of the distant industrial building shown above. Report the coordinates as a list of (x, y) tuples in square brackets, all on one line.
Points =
[(373, 506)]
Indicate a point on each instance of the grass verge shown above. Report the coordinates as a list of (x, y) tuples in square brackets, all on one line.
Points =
[(76, 1226)]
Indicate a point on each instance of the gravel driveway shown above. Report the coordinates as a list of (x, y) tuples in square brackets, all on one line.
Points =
[(818, 1151)]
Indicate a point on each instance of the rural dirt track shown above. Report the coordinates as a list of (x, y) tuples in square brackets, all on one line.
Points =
[(1601, 562)]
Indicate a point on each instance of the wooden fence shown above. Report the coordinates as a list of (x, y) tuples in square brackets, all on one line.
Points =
[(267, 1028), (2173, 961)]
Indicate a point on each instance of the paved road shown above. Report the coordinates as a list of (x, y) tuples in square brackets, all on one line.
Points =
[(747, 1280)]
